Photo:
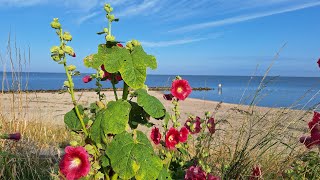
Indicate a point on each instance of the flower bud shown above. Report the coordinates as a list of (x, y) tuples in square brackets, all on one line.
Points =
[(74, 143), (55, 23), (100, 104), (54, 49), (69, 50), (66, 84), (15, 136), (111, 17), (129, 46), (135, 43), (108, 8), (106, 30), (67, 36), (110, 38), (56, 58), (86, 79), (72, 67)]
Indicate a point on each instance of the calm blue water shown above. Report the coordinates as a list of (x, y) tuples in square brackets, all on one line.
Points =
[(292, 92)]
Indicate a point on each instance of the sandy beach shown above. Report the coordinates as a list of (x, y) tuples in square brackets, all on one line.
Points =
[(50, 107)]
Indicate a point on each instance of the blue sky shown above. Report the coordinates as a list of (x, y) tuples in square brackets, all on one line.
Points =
[(211, 37)]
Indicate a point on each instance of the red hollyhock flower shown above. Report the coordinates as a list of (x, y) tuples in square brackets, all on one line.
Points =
[(195, 173), (194, 126), (155, 135), (119, 45), (86, 79), (319, 62), (256, 173), (211, 125), (180, 89), (75, 163), (172, 138), (168, 97), (314, 126), (212, 177), (183, 134)]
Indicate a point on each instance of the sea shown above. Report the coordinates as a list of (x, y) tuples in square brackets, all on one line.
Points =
[(275, 91)]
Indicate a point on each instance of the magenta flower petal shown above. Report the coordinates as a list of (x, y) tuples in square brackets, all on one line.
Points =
[(75, 163), (195, 173), (184, 132), (256, 173), (211, 125), (172, 138), (180, 89), (155, 135), (86, 79)]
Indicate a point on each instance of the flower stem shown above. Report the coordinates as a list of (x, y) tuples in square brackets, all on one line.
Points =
[(125, 91), (74, 99), (114, 91)]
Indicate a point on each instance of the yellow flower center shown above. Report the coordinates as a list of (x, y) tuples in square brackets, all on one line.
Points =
[(75, 163), (170, 138), (179, 90)]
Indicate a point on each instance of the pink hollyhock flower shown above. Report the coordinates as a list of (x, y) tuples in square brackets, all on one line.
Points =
[(119, 45), (256, 173), (184, 132), (318, 62), (155, 135), (180, 89), (172, 138), (211, 125), (168, 97), (86, 79), (194, 126), (212, 177), (195, 173), (75, 163), (314, 126)]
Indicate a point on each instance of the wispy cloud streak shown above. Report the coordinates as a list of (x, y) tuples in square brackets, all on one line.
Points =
[(243, 18)]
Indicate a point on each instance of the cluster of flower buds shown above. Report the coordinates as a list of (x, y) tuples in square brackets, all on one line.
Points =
[(131, 44), (58, 52), (196, 124)]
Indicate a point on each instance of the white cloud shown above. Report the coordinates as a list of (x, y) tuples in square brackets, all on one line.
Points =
[(145, 6), (21, 3), (179, 41), (87, 17), (242, 18)]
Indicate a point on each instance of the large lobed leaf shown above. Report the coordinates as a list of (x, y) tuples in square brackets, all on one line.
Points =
[(72, 121), (133, 156), (132, 65), (116, 117), (150, 104)]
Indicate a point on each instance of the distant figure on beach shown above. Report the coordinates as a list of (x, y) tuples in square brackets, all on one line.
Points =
[(220, 89)]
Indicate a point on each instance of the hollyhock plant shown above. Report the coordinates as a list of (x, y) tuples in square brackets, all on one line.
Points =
[(180, 89), (211, 125), (172, 138), (256, 173), (86, 79), (184, 132), (314, 126), (194, 126), (75, 163), (155, 135), (195, 173)]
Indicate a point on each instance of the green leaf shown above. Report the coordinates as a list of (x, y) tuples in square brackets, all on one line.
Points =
[(105, 161), (138, 116), (115, 55), (134, 157), (149, 60), (116, 117), (150, 104), (72, 121), (96, 129), (164, 175)]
